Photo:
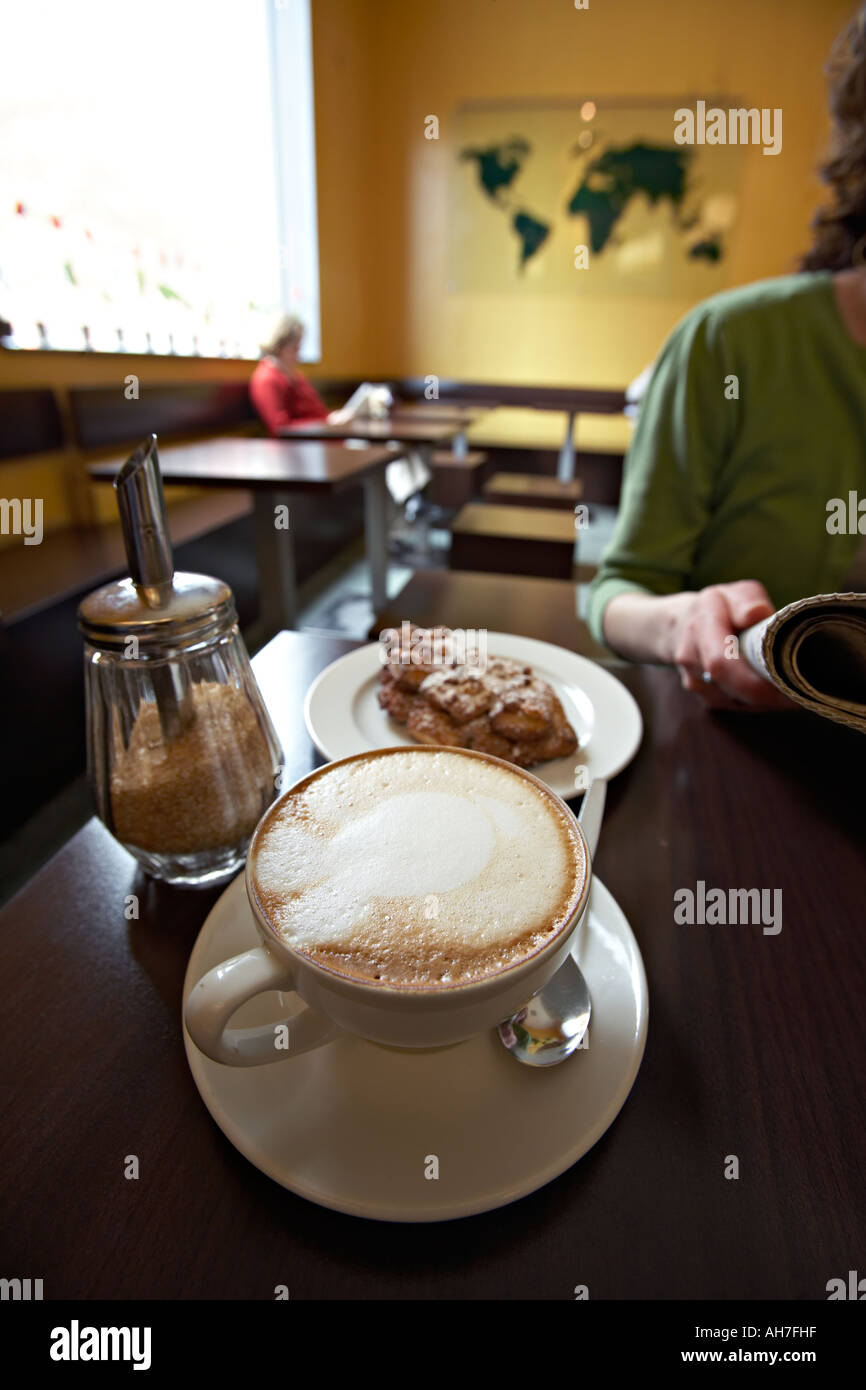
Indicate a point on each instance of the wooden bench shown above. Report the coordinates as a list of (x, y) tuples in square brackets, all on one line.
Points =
[(532, 490), (513, 540), (30, 423), (102, 415)]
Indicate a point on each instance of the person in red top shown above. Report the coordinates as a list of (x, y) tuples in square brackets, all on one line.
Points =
[(280, 394)]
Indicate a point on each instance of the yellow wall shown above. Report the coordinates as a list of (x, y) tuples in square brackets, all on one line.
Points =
[(421, 57), (348, 180)]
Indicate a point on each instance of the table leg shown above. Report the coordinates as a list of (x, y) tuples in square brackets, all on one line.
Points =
[(275, 553), (565, 469), (376, 535)]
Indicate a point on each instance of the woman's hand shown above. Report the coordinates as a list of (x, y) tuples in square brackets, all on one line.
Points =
[(706, 651), (697, 632)]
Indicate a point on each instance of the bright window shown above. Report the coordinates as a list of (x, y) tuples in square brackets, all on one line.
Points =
[(157, 174)]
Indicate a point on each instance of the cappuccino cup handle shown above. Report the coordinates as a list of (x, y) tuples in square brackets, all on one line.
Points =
[(220, 993)]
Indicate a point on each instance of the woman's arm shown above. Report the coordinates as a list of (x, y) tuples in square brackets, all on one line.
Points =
[(697, 632), (643, 627), (684, 433), (307, 404)]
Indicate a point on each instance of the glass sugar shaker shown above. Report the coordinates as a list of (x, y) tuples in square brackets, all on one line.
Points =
[(182, 756)]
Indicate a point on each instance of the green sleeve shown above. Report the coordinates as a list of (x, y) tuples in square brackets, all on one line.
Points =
[(684, 430)]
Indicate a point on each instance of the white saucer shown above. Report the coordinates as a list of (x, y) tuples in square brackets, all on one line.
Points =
[(343, 715), (353, 1126)]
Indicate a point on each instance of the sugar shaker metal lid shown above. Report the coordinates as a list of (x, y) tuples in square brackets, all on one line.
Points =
[(191, 606)]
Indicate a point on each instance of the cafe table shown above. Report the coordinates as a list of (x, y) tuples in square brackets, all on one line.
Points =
[(434, 411), (526, 605), (274, 470), (756, 1052), (406, 430), (460, 418)]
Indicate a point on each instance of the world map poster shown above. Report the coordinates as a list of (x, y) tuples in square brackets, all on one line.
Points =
[(589, 198)]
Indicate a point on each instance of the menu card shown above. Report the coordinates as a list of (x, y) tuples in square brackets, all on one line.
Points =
[(814, 651)]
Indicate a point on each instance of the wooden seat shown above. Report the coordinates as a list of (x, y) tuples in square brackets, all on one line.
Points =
[(533, 490), (454, 476), (513, 540)]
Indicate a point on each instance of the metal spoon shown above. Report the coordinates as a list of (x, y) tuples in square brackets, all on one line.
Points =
[(552, 1025), (144, 523)]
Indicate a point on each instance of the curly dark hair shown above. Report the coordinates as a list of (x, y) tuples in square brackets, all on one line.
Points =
[(839, 226)]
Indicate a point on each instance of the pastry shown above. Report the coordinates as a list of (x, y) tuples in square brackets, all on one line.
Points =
[(500, 708)]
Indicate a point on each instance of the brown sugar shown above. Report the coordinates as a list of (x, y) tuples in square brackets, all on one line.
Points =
[(203, 790)]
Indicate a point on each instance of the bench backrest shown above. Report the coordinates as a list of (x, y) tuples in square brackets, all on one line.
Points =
[(30, 423), (589, 400), (102, 415)]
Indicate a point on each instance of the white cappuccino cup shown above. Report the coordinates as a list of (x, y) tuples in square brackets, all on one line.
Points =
[(411, 896)]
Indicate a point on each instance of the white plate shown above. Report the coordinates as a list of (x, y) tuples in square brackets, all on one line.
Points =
[(343, 715), (353, 1126)]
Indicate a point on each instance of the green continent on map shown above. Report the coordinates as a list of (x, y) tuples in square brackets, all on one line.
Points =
[(498, 165), (531, 233), (710, 249), (612, 180)]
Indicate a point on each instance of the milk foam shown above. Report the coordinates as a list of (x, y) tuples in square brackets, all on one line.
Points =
[(418, 868)]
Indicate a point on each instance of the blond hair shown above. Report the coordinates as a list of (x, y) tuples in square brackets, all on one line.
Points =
[(287, 331)]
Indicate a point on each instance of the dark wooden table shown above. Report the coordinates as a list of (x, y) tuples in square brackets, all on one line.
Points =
[(756, 1049), (459, 417), (542, 608), (419, 432), (435, 412), (273, 470), (402, 429)]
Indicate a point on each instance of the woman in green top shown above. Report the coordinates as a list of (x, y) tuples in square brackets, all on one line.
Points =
[(753, 424)]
